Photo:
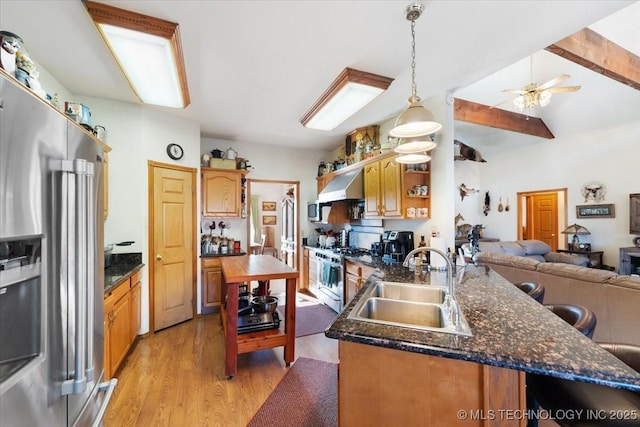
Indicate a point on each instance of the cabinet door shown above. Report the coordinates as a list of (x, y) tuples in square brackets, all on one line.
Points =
[(211, 285), (135, 321), (352, 285), (119, 334), (391, 188), (108, 315), (105, 183), (305, 268), (372, 195), (221, 193)]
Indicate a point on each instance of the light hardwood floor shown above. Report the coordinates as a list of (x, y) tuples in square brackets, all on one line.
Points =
[(176, 377)]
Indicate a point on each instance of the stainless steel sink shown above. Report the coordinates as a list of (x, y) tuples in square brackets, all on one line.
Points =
[(409, 292), (398, 312), (407, 305)]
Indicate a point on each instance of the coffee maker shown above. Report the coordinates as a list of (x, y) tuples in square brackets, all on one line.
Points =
[(396, 245)]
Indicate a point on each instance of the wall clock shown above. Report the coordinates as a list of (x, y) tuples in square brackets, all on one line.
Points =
[(593, 191), (175, 151)]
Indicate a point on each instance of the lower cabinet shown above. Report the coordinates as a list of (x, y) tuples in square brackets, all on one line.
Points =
[(121, 321), (211, 285), (310, 271), (418, 389), (355, 276)]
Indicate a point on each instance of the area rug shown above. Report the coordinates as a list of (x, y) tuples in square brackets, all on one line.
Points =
[(312, 317), (306, 396)]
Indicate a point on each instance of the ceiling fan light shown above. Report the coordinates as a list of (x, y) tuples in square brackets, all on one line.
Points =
[(412, 159), (518, 103), (544, 98), (414, 121), (414, 145)]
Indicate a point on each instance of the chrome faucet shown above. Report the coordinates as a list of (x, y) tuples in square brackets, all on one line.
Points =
[(453, 311)]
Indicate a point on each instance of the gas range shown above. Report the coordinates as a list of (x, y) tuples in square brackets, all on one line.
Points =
[(340, 253)]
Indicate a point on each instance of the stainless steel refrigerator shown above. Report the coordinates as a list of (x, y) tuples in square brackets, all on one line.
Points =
[(51, 266)]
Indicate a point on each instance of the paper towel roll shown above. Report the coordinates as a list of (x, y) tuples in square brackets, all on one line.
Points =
[(436, 260)]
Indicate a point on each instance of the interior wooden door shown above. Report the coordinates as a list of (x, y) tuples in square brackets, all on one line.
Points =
[(173, 255), (542, 218)]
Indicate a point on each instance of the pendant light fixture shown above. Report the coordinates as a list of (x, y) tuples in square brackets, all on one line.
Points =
[(416, 120)]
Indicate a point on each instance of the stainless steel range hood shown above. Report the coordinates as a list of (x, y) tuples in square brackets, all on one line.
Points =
[(349, 185)]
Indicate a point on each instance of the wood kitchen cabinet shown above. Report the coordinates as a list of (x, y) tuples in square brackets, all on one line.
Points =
[(105, 181), (416, 178), (121, 321), (223, 193), (383, 188), (310, 271), (424, 389), (355, 276), (211, 285)]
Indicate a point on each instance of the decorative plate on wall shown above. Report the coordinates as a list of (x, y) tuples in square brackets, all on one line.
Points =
[(593, 191)]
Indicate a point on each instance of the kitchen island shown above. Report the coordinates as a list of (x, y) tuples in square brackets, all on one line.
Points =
[(423, 377), (238, 270)]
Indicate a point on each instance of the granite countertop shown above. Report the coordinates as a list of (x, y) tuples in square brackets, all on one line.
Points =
[(122, 267), (506, 326)]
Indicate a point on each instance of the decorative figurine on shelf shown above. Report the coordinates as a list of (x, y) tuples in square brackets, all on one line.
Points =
[(10, 45)]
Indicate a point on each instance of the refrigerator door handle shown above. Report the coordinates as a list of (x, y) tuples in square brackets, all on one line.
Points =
[(109, 387), (90, 260), (76, 200)]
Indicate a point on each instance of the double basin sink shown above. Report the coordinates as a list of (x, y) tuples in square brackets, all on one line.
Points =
[(408, 305)]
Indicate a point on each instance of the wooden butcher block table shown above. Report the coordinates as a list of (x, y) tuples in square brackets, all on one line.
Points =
[(238, 270)]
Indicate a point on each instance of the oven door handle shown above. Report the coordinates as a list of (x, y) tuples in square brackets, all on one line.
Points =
[(329, 294)]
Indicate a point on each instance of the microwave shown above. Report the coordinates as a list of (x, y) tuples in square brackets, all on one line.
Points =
[(314, 211)]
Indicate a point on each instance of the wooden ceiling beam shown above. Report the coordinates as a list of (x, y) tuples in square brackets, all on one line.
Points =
[(599, 54), (480, 114)]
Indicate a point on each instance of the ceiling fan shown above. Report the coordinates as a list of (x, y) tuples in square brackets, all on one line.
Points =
[(533, 94)]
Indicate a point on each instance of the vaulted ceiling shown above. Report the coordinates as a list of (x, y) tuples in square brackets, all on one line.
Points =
[(255, 67)]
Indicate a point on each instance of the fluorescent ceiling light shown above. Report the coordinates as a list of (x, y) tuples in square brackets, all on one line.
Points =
[(348, 93), (147, 50)]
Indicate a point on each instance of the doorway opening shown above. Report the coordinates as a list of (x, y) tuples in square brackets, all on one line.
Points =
[(274, 212), (542, 215)]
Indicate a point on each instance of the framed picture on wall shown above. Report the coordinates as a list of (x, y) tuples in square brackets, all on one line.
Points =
[(596, 211), (634, 213), (269, 219), (268, 206)]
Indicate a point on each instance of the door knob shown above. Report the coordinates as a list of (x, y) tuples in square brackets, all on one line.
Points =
[(158, 257)]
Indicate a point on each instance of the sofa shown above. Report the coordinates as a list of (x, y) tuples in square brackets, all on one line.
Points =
[(534, 249), (613, 298)]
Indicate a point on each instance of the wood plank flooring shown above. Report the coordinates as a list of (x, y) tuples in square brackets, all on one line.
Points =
[(176, 377)]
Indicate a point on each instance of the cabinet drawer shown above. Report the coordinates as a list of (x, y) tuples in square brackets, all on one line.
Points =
[(135, 278), (211, 262), (353, 268), (120, 290)]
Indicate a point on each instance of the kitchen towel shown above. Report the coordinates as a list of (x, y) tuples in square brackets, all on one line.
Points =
[(436, 260)]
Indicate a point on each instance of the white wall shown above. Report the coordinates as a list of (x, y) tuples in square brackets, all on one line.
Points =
[(279, 163), (610, 156), (137, 134)]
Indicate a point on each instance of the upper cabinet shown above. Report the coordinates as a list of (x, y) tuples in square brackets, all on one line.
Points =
[(416, 181), (223, 193), (383, 188)]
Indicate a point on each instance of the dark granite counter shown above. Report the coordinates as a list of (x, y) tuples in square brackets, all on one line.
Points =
[(122, 267), (509, 328)]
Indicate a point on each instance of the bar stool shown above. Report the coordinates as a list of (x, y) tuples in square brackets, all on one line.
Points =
[(578, 316), (581, 318), (534, 290), (589, 400)]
